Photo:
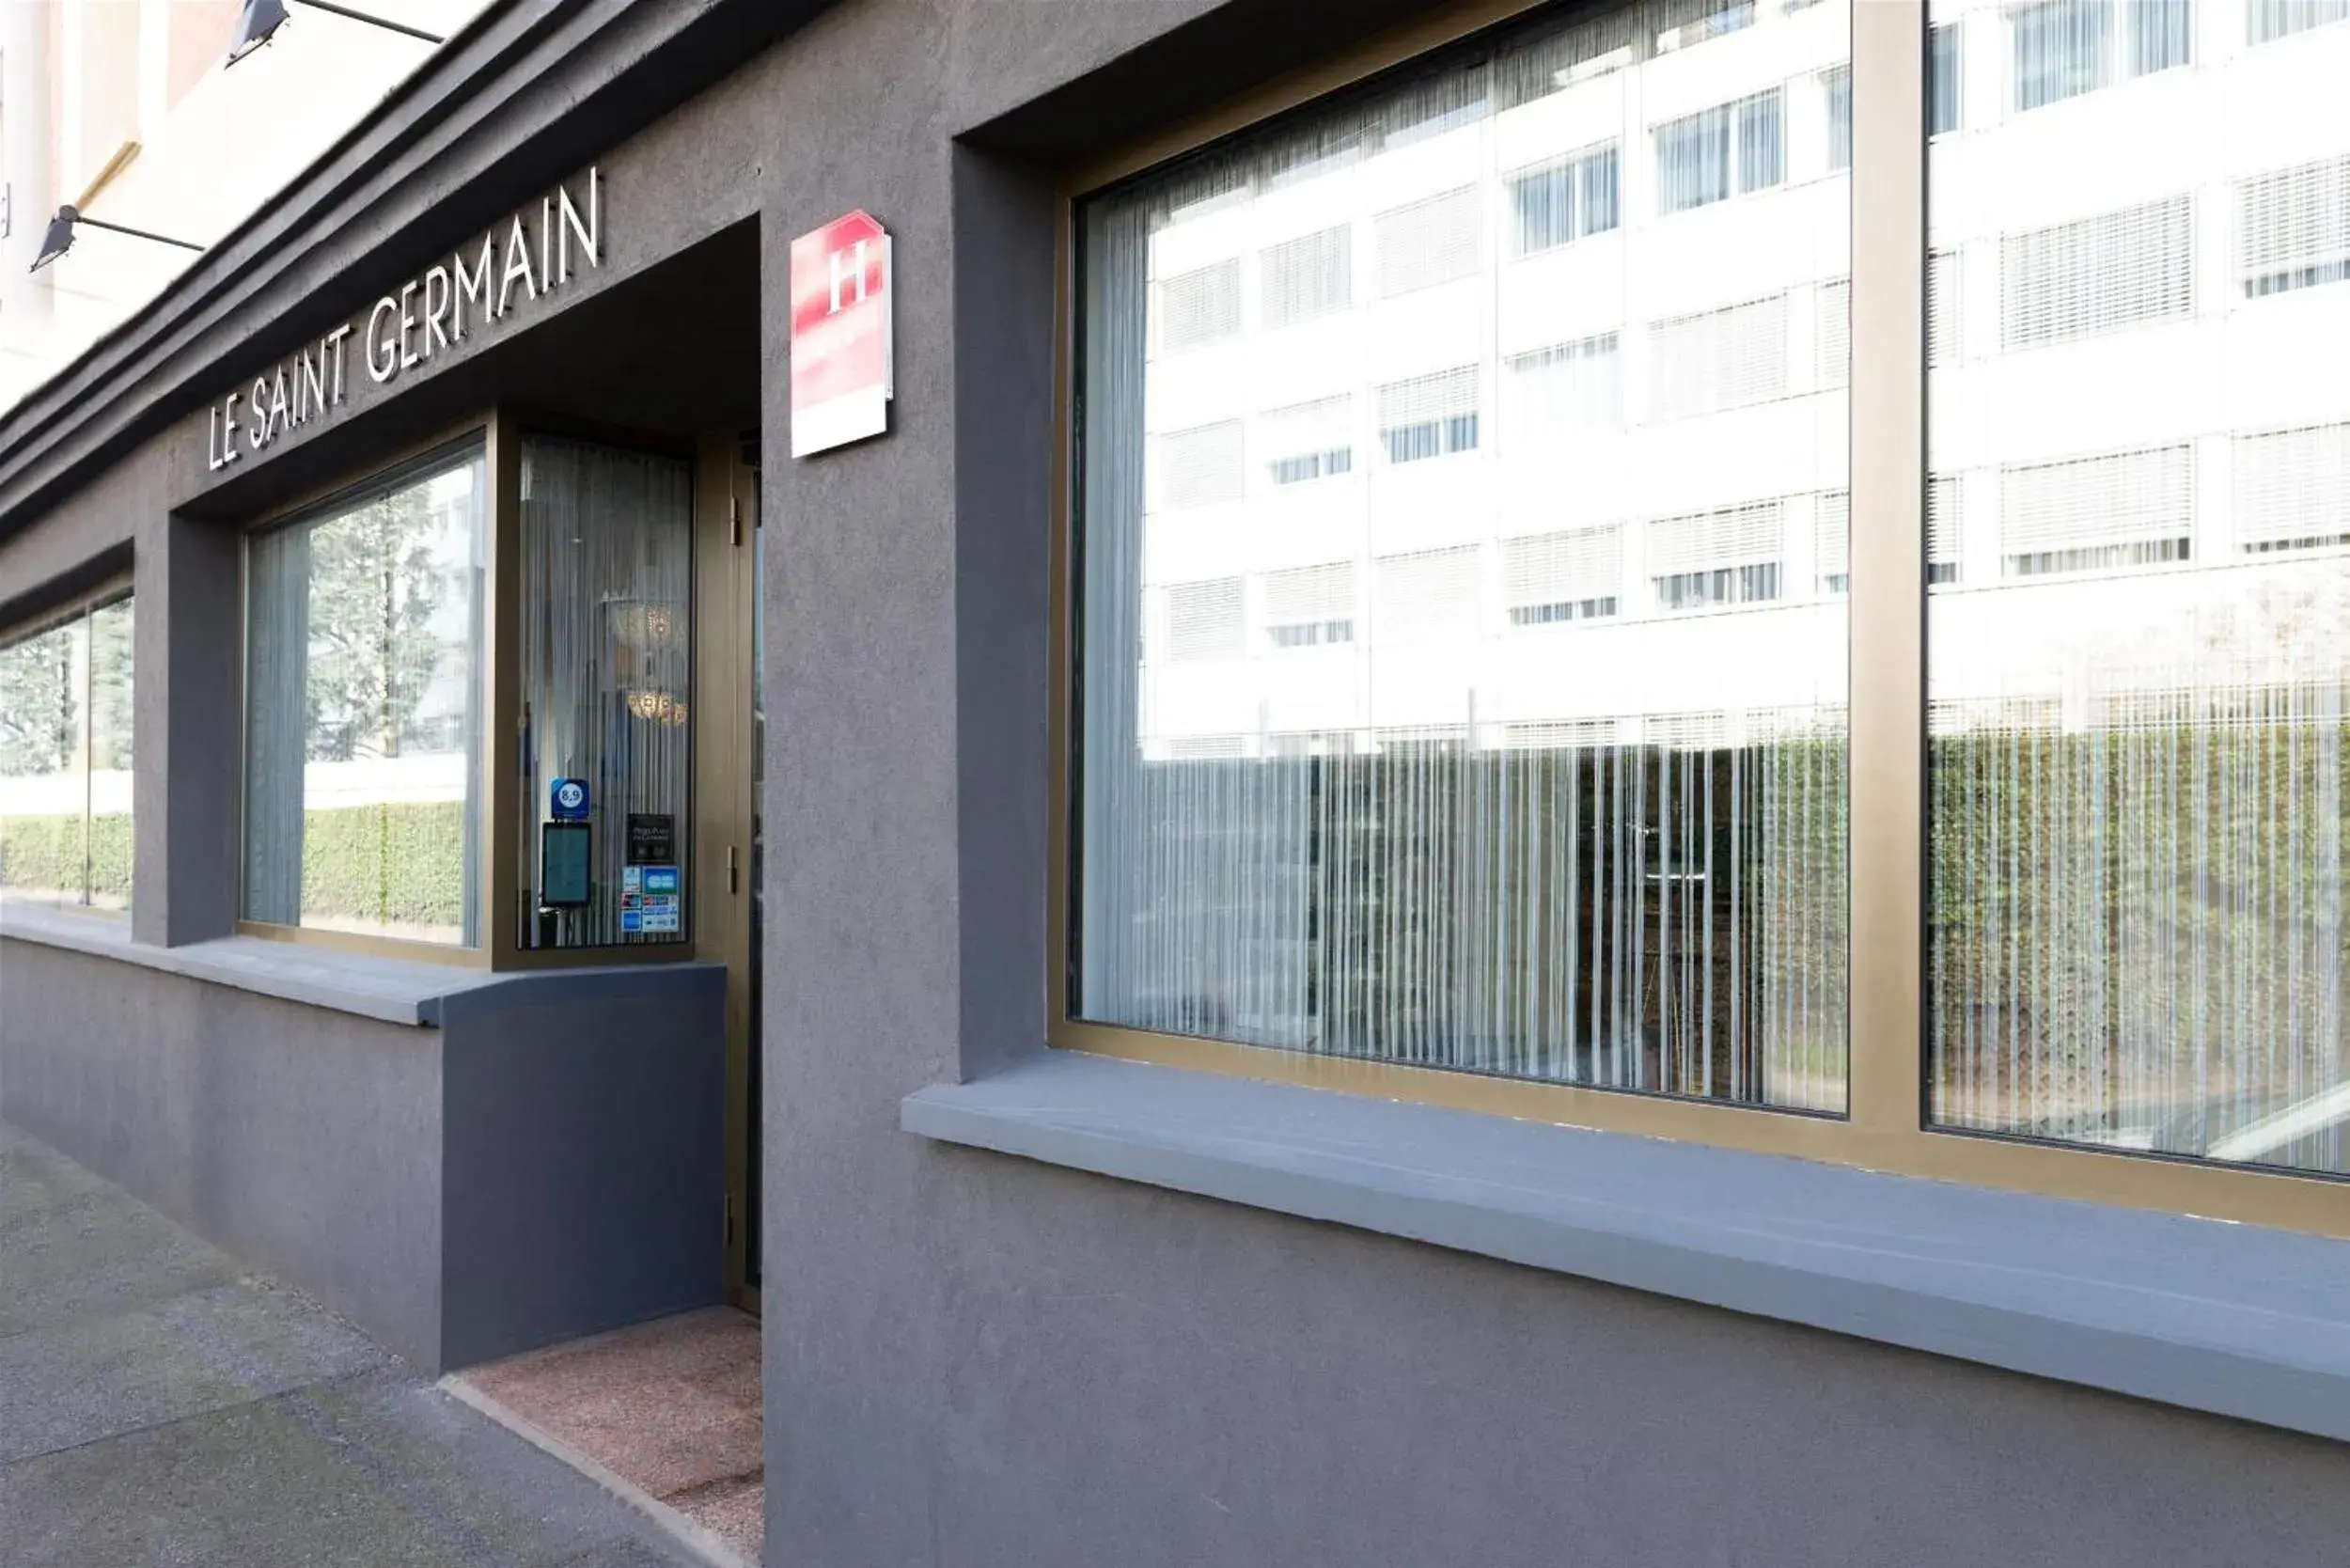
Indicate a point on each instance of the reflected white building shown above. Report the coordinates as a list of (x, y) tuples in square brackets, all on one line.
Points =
[(1463, 424)]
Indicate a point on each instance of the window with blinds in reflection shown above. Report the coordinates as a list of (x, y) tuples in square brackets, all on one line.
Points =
[(2139, 605), (1461, 615)]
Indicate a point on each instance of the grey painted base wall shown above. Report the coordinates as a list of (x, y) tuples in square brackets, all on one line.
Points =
[(1046, 1369), (523, 1175)]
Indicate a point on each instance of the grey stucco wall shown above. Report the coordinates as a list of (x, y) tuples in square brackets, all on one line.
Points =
[(978, 1360), (89, 526), (305, 1141), (584, 1172)]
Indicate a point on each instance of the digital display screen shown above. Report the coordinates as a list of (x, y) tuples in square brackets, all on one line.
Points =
[(563, 865)]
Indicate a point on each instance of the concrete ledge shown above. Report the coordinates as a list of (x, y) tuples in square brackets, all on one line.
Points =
[(2231, 1319), (397, 991)]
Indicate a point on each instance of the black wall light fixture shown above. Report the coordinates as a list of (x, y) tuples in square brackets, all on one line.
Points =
[(262, 17), (60, 236)]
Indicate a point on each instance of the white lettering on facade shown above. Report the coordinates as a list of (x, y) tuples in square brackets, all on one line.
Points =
[(380, 337), (408, 356), (310, 402), (335, 341), (220, 437), (475, 285), (435, 308), (588, 240), (397, 336), (517, 265)]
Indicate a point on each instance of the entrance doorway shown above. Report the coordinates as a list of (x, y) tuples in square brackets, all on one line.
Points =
[(669, 1413)]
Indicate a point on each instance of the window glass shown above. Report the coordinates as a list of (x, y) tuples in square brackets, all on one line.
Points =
[(606, 655), (1693, 160), (2265, 20), (2161, 35), (110, 628), (43, 782), (362, 709), (1462, 658), (1942, 79), (1836, 86), (2064, 48), (1562, 201), (65, 762), (2138, 599)]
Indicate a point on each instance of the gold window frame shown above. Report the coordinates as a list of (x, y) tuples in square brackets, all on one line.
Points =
[(501, 432), (1884, 1127)]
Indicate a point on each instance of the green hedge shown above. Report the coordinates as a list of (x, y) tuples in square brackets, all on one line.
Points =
[(394, 864), (45, 854), (2169, 884)]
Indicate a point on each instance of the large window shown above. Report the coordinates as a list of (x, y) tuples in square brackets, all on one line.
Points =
[(65, 762), (2140, 647), (362, 704), (1437, 703)]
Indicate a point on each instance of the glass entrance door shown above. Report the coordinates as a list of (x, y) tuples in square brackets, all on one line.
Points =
[(607, 699)]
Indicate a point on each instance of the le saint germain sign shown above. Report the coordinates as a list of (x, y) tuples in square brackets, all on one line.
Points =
[(430, 314)]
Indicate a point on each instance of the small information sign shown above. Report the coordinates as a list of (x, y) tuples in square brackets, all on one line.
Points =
[(566, 800), (652, 838), (563, 862), (650, 901)]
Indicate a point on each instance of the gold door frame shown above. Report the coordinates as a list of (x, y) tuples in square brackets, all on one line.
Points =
[(726, 591)]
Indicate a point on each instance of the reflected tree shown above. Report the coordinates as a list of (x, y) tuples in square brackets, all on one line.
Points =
[(39, 715), (374, 589)]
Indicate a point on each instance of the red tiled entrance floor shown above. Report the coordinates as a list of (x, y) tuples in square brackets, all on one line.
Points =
[(672, 1407)]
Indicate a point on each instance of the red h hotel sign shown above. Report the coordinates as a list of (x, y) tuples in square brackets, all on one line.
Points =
[(841, 334)]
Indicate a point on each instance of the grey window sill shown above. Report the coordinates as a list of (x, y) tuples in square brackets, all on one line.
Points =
[(398, 991), (2231, 1319)]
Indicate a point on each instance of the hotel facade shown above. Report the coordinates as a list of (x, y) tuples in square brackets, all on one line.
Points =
[(1569, 782)]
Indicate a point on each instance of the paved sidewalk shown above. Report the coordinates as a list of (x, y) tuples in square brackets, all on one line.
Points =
[(159, 1406)]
